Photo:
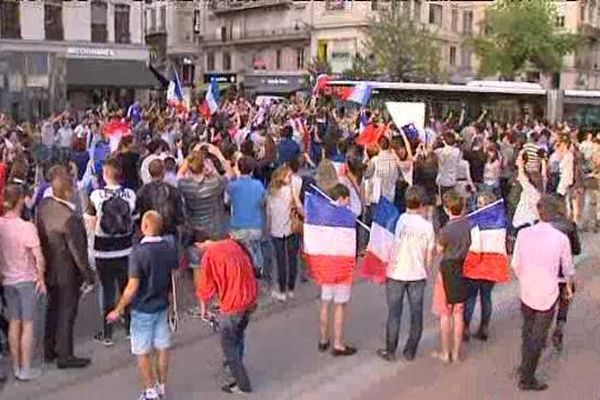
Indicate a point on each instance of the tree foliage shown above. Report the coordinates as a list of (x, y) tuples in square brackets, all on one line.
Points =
[(403, 48), (362, 69), (521, 34)]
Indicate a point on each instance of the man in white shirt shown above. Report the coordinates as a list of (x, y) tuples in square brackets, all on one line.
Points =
[(448, 161), (411, 257), (65, 137)]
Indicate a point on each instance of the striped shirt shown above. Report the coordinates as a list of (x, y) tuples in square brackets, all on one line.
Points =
[(534, 162), (204, 201)]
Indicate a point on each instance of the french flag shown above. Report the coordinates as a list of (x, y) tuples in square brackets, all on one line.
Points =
[(381, 241), (114, 131), (360, 93), (210, 105), (174, 92), (487, 257), (329, 241)]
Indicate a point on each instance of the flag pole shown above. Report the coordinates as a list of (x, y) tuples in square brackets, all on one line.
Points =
[(316, 189)]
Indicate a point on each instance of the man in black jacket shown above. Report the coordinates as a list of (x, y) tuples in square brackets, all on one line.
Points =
[(64, 244), (161, 197), (569, 228)]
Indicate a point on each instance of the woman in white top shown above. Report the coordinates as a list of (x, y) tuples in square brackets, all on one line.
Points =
[(282, 198), (526, 213)]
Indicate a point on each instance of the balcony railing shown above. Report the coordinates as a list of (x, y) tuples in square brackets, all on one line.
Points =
[(226, 6), (258, 36)]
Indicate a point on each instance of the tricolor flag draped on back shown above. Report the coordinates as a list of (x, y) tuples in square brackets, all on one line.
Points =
[(381, 241), (487, 258), (329, 240)]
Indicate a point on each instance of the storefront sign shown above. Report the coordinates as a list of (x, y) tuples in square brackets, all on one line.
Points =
[(277, 81), (90, 52), (220, 78)]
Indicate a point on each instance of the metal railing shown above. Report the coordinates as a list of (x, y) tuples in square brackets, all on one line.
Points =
[(299, 32)]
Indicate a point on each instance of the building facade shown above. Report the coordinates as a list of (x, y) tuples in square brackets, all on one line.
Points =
[(172, 33), (264, 44), (56, 54)]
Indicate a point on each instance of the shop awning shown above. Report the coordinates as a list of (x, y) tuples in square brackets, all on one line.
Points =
[(274, 89), (110, 73)]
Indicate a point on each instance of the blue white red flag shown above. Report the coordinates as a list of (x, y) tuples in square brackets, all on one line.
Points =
[(329, 240), (360, 93), (174, 92), (487, 258), (210, 105), (381, 241)]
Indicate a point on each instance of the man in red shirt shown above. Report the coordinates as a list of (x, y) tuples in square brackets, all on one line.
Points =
[(227, 271)]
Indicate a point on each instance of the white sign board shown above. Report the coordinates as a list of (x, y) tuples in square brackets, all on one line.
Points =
[(405, 113)]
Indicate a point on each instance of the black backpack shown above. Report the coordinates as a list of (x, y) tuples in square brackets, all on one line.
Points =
[(116, 215)]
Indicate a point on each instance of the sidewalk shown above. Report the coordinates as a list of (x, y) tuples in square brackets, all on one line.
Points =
[(284, 365)]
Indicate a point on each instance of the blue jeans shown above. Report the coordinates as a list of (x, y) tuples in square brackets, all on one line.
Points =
[(233, 329), (484, 288), (395, 291), (286, 253), (251, 239)]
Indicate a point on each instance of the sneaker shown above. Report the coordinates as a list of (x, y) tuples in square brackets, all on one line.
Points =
[(290, 295), (105, 340), (149, 394), (160, 389), (385, 355), (277, 295), (534, 386), (323, 346), (29, 374), (232, 388)]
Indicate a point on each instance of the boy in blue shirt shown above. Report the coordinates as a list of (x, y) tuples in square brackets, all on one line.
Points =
[(148, 292)]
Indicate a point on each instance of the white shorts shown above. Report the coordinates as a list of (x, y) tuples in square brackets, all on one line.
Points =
[(340, 294)]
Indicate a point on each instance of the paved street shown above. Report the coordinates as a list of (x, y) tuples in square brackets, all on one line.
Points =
[(284, 364)]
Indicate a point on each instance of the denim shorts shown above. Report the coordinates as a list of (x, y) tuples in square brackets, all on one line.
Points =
[(20, 301), (149, 332)]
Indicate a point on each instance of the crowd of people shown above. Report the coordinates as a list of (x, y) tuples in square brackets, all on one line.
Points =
[(220, 200)]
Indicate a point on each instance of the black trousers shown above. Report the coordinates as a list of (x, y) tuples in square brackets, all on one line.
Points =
[(63, 301), (536, 325), (113, 276)]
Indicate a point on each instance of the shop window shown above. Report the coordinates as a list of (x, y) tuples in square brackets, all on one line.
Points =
[(435, 14), (122, 34), (10, 26), (210, 61), (53, 22), (187, 74), (99, 31), (226, 61)]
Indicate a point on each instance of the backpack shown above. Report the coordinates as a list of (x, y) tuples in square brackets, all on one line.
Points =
[(116, 215)]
